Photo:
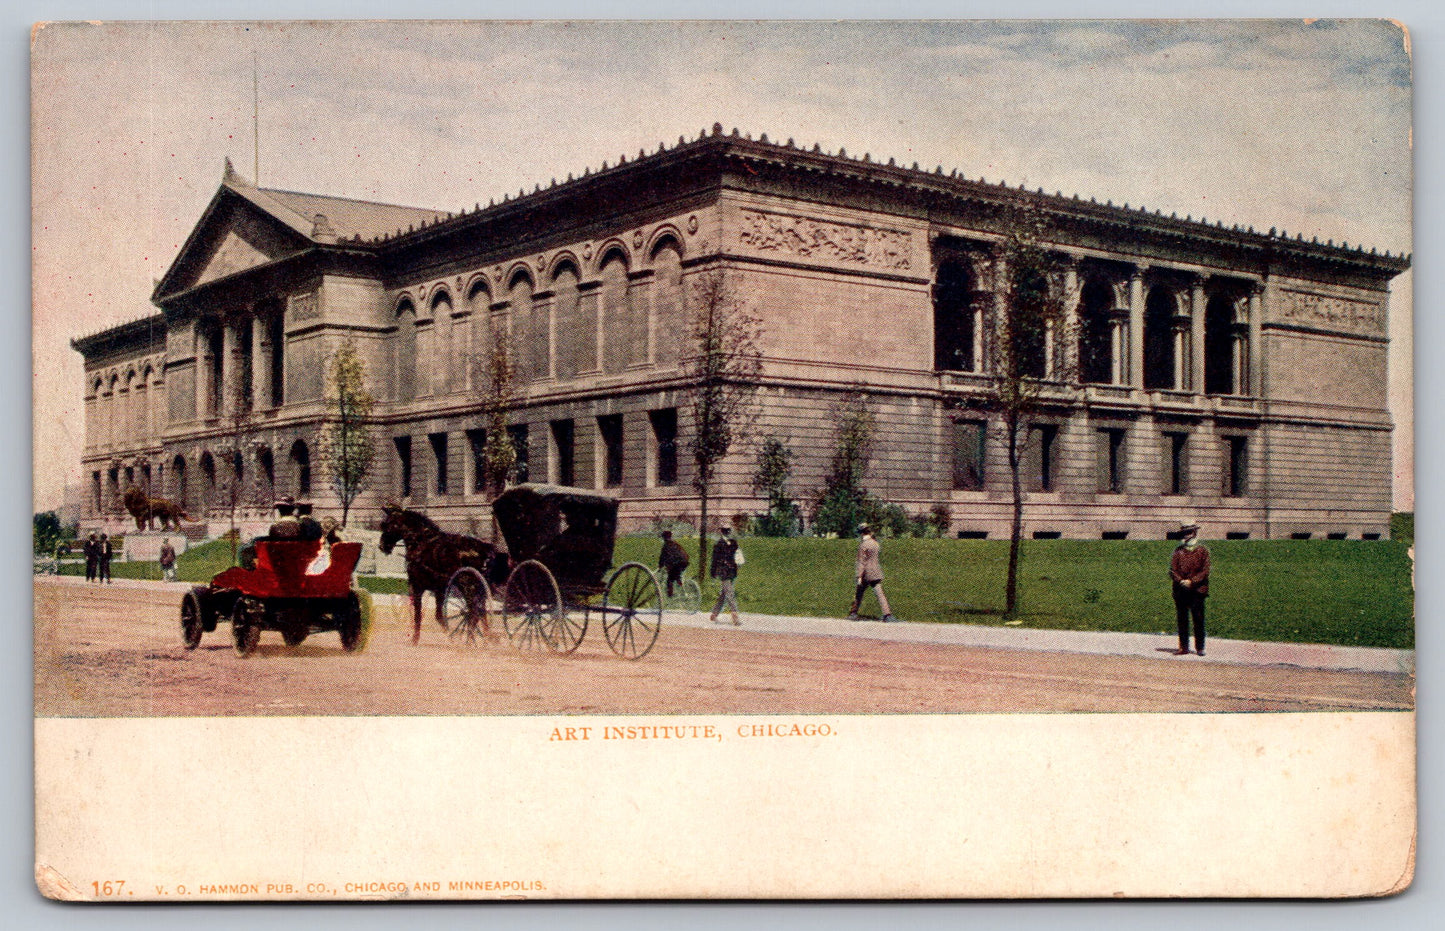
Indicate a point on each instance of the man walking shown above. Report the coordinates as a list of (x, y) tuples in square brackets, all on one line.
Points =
[(869, 574), (104, 552), (672, 560), (168, 560), (725, 569), (92, 556), (1189, 571)]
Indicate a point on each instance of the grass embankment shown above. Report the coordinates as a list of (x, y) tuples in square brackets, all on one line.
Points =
[(1344, 592)]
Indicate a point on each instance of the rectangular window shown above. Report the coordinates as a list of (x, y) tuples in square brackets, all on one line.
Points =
[(1175, 450), (403, 456), (664, 433), (439, 454), (564, 452), (1111, 461), (517, 433), (1042, 454), (610, 430), (968, 455), (477, 443), (1235, 485)]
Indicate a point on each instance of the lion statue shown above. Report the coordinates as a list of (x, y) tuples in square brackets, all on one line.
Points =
[(145, 510)]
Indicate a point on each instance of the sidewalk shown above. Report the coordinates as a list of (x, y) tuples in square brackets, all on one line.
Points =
[(1152, 646)]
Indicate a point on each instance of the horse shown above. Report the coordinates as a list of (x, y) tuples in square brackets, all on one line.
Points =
[(433, 556), (146, 510)]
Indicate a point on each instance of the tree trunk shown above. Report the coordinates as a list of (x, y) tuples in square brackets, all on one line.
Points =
[(702, 538), (1011, 588)]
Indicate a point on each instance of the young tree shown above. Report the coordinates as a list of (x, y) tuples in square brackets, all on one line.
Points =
[(346, 443), (1024, 351), (234, 489), (844, 499), (770, 478), (722, 372), (498, 380)]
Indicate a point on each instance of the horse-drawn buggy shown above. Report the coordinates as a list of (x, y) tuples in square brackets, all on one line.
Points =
[(295, 588), (555, 574)]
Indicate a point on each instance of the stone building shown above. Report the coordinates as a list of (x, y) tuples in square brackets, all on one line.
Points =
[(1232, 376)]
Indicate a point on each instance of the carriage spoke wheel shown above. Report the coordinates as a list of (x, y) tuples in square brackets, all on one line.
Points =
[(632, 611), (464, 606), (532, 611), (191, 624), (245, 628)]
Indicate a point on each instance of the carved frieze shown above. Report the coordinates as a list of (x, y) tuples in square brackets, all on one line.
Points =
[(1335, 313), (838, 242), (306, 306)]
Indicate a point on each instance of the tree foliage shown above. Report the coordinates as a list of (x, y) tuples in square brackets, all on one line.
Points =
[(498, 380), (347, 446), (844, 501), (722, 369), (773, 468)]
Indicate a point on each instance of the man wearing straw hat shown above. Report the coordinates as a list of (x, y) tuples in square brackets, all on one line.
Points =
[(1189, 570)]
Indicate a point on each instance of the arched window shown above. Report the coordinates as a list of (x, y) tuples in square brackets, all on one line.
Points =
[(529, 329), (265, 474), (178, 481), (1219, 345), (208, 480), (478, 336), (404, 351), (618, 326), (441, 355), (670, 325), (301, 467), (1159, 311), (575, 342), (1095, 354), (953, 336), (1029, 322)]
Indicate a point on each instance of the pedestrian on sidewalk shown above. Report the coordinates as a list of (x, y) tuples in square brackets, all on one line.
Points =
[(672, 560), (168, 560), (724, 568), (92, 556), (869, 574), (104, 552), (1189, 571)]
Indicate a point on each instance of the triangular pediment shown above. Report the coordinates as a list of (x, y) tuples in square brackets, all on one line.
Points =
[(239, 231)]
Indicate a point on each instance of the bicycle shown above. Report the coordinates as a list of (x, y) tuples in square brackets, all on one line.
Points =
[(686, 595)]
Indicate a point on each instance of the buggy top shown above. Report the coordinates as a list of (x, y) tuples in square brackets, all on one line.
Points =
[(571, 531)]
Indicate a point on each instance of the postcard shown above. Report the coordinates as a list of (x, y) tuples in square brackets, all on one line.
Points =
[(614, 460)]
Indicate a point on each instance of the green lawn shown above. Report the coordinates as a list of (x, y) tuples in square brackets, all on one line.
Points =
[(1346, 592)]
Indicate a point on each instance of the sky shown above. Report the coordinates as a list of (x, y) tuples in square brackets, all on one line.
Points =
[(1303, 126)]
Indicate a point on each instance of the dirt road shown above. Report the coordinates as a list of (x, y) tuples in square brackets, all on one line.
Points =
[(117, 652)]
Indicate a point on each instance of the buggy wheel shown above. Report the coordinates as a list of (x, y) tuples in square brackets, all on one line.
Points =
[(191, 623), (632, 611), (532, 610), (294, 636), (464, 605), (245, 632), (351, 624), (691, 597)]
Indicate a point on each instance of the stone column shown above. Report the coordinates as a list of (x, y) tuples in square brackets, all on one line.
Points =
[(260, 365), (1136, 327), (1181, 354), (230, 386), (1069, 346), (1198, 302), (1253, 382), (205, 366), (978, 318), (998, 311)]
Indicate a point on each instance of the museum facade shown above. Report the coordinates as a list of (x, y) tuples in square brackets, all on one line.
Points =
[(1233, 377)]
